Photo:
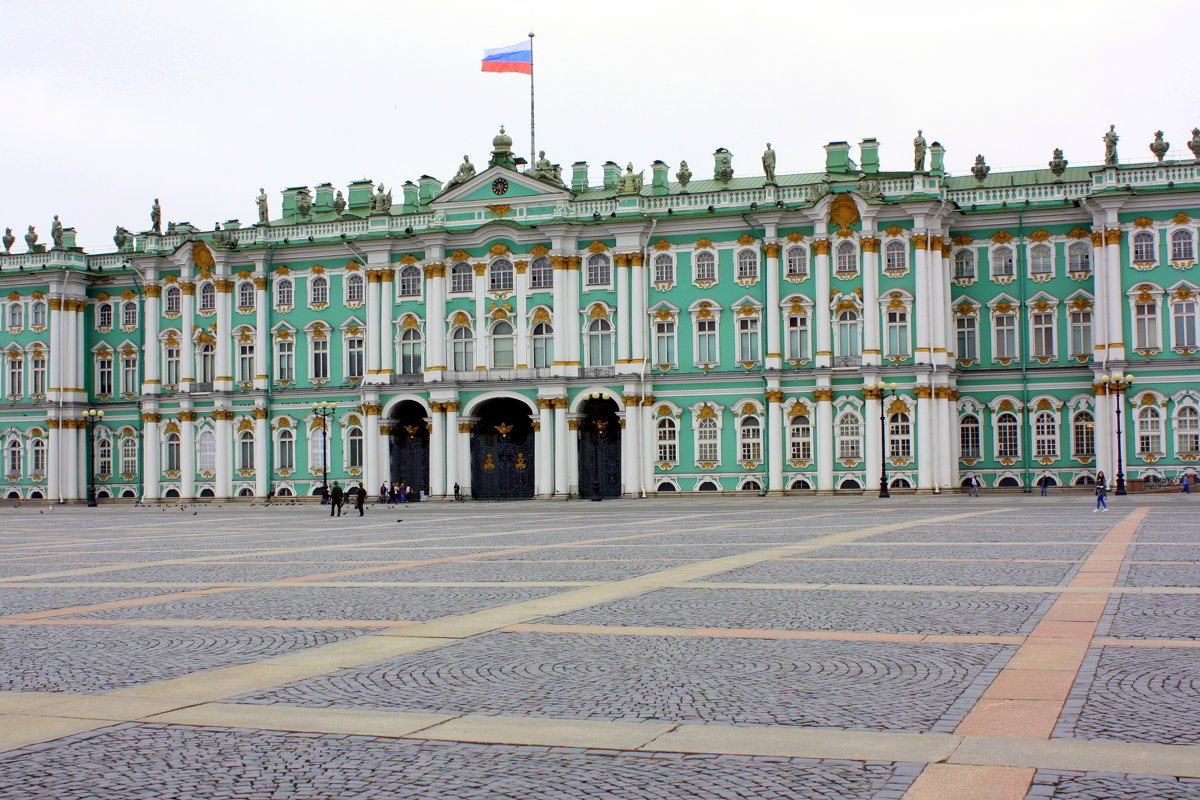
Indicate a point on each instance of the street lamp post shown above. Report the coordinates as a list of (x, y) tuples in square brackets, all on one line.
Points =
[(91, 417), (884, 390), (599, 429), (324, 410), (1118, 384)]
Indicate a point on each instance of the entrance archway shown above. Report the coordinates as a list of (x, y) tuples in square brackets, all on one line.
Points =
[(502, 451), (599, 448), (408, 445)]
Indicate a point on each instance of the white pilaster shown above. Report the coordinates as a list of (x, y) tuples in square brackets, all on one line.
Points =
[(624, 310), (824, 430), (151, 443), (437, 450), (1116, 329), (923, 322), (54, 463), (872, 442), (374, 339), (435, 321), (544, 448), (925, 438), (453, 465), (187, 455), (775, 425), (386, 338), (638, 288), (224, 364), (823, 356), (187, 332), (561, 437), (262, 450), (262, 334), (522, 357), (223, 431), (872, 344), (774, 356), (571, 445), (150, 355)]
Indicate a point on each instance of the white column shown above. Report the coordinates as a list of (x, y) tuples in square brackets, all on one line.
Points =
[(638, 306), (224, 365), (939, 277), (630, 441), (1112, 257), (872, 344), (187, 454), (57, 358), (872, 441), (187, 332), (544, 447), (1100, 305), (649, 445), (381, 452), (151, 441), (463, 443), (453, 468), (371, 463), (824, 432), (262, 335), (624, 309), (482, 337), (374, 339), (437, 450), (223, 429), (54, 462), (571, 446), (1103, 431), (151, 350), (76, 456), (925, 437), (924, 325), (570, 312), (262, 444), (774, 357), (435, 320), (81, 360), (562, 312), (561, 437), (521, 324), (775, 423), (824, 352), (387, 331)]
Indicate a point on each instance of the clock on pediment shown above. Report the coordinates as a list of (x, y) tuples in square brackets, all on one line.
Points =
[(499, 186)]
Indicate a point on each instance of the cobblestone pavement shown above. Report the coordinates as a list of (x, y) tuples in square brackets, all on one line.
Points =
[(928, 648)]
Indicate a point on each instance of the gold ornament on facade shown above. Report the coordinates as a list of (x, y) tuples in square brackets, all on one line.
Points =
[(521, 266), (795, 237), (202, 256), (843, 212), (820, 247), (703, 244), (893, 230), (662, 244), (869, 244), (823, 395), (499, 249), (1143, 222), (101, 296), (935, 243), (1113, 236), (706, 412), (798, 409), (648, 400), (541, 314), (962, 240), (408, 258), (539, 250), (923, 392), (1002, 237), (479, 269), (920, 241), (1181, 218), (499, 210), (1039, 235), (597, 311), (746, 240), (773, 396), (460, 318), (434, 271), (1004, 307), (772, 249), (597, 247)]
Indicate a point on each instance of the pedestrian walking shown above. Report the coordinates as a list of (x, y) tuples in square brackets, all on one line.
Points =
[(1101, 497), (457, 491), (1100, 477), (974, 483), (270, 496), (383, 492), (395, 492), (360, 500), (336, 498), (403, 493), (1044, 484), (1185, 484)]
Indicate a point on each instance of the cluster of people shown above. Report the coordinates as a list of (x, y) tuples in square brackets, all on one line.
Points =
[(338, 498), (398, 492)]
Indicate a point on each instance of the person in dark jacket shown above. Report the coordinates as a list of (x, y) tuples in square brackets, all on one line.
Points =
[(336, 498), (1101, 497), (360, 500)]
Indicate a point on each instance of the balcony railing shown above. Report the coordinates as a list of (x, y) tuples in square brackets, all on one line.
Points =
[(487, 375)]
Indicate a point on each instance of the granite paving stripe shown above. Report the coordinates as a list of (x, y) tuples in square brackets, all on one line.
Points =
[(962, 782), (914, 574), (1160, 575), (23, 600), (1111, 785), (939, 551), (742, 633)]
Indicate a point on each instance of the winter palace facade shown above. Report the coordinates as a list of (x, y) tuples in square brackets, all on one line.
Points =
[(521, 331)]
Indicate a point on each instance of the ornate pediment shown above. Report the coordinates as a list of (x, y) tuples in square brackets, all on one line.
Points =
[(498, 185)]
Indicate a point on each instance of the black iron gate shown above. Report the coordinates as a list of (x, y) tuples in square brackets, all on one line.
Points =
[(502, 452), (409, 444), (600, 455)]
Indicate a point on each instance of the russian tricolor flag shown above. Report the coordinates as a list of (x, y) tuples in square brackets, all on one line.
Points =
[(514, 58)]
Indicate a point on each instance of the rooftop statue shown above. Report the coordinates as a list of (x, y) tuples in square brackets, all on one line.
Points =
[(56, 233), (264, 216), (684, 176), (542, 168), (156, 217), (630, 183), (1058, 164), (381, 202), (1194, 144), (303, 203), (1159, 147), (1110, 146), (981, 169), (723, 170), (466, 171), (339, 203), (31, 238), (919, 152), (8, 240), (768, 162), (121, 238)]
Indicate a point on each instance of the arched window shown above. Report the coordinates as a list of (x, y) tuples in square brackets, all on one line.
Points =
[(899, 436), (354, 288), (1083, 434), (410, 281), (968, 437), (284, 491), (461, 277), (171, 300), (1002, 262), (706, 266), (500, 275), (207, 363), (847, 333), (1187, 431), (16, 315), (708, 441), (502, 345), (599, 342), (707, 486), (208, 296), (664, 268), (599, 270), (1182, 248), (206, 449), (797, 262), (750, 439), (747, 265), (318, 290), (894, 257), (245, 450), (1143, 247), (129, 456), (964, 263), (171, 462), (668, 441), (129, 315), (463, 348), (104, 315), (1041, 260), (284, 292), (354, 448), (285, 359), (541, 273), (666, 486), (800, 438), (285, 452), (750, 485), (1079, 258), (246, 296), (800, 485), (847, 259), (37, 317), (1149, 430), (410, 352), (1145, 324), (1183, 319), (16, 375), (1045, 435), (104, 457), (1008, 436), (849, 436), (542, 341)]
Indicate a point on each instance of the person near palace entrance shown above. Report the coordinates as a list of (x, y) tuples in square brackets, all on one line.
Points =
[(383, 492), (1101, 497), (1185, 484), (457, 491), (1044, 484), (336, 498), (974, 482), (360, 499)]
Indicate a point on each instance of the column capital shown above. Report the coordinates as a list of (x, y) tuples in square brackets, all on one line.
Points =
[(774, 396), (772, 249), (823, 395), (1113, 236), (869, 244), (187, 416), (432, 271), (923, 392), (372, 409), (451, 406), (820, 247), (152, 290)]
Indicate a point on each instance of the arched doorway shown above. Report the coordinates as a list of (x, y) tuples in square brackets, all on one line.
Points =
[(502, 451), (408, 446), (599, 448)]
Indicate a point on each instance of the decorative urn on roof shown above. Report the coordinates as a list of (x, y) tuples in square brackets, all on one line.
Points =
[(981, 169), (1159, 147), (1058, 164)]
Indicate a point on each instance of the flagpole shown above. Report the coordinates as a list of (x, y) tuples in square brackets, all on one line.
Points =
[(532, 141)]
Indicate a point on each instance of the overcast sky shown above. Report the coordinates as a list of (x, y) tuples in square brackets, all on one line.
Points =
[(106, 105)]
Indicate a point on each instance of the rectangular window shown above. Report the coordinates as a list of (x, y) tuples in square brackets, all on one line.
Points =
[(748, 340), (797, 337), (664, 342), (285, 357), (541, 274), (968, 340), (1043, 334), (1081, 333), (968, 439), (16, 372), (706, 341), (1006, 335), (800, 434), (104, 376), (708, 442), (897, 332), (129, 459), (1146, 325), (129, 375), (320, 360), (245, 362), (38, 375), (1183, 312), (171, 371), (354, 358)]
